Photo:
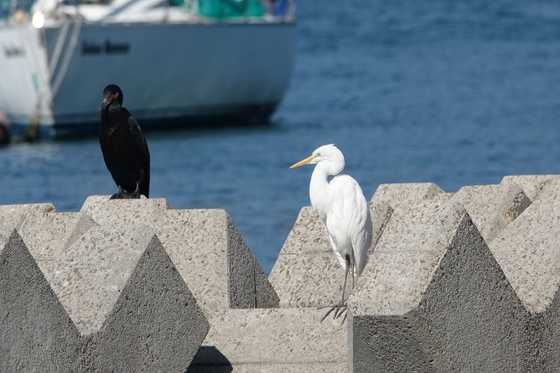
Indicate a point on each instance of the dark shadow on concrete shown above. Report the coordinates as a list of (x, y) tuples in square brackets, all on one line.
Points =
[(210, 360)]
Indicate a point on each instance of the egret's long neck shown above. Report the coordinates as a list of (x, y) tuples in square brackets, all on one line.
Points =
[(319, 188)]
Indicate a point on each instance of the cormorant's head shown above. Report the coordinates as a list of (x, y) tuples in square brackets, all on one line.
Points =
[(112, 93)]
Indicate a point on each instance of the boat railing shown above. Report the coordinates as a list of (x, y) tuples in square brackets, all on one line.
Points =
[(231, 10), (210, 10)]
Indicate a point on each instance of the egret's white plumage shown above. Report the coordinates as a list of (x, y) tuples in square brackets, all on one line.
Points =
[(343, 209)]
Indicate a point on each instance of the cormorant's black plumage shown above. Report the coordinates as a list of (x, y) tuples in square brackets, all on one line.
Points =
[(123, 146)]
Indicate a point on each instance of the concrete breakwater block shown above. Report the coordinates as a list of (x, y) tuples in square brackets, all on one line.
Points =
[(49, 234), (528, 251), (492, 207), (434, 299), (111, 301), (307, 273), (36, 334), (532, 185), (16, 215), (204, 245), (407, 194), (278, 340)]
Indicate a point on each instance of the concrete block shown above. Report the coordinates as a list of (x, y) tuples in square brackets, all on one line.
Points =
[(492, 207), (47, 235), (90, 275), (204, 245), (433, 299), (307, 273), (405, 258), (129, 308), (6, 230), (15, 215), (528, 251), (273, 340), (36, 334), (550, 190), (214, 260), (532, 185), (407, 194), (155, 325), (388, 197), (105, 211)]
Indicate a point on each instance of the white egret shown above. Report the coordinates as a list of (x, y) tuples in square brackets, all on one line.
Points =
[(344, 211)]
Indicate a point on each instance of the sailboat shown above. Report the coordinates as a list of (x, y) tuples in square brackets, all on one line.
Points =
[(179, 62)]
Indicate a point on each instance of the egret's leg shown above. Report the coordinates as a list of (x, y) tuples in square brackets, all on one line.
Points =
[(340, 308)]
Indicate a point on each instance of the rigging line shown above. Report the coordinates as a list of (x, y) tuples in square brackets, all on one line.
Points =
[(58, 47), (78, 21)]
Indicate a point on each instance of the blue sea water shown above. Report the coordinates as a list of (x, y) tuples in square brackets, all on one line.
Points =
[(452, 92)]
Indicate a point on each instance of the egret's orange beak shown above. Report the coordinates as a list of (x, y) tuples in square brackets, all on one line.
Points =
[(305, 161)]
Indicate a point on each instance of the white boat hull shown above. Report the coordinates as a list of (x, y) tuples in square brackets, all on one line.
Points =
[(171, 74)]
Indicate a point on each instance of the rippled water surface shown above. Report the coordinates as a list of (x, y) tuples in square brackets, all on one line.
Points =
[(455, 93)]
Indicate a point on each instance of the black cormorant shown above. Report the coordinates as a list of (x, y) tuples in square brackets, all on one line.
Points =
[(124, 146)]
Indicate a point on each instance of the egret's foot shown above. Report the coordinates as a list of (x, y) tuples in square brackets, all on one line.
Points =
[(339, 310), (135, 195)]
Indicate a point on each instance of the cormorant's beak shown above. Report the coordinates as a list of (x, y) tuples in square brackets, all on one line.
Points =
[(106, 102), (305, 161)]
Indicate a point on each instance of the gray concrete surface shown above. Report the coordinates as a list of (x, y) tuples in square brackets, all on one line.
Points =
[(464, 282), (36, 334), (273, 340), (16, 215), (532, 185), (434, 299), (528, 252), (204, 245), (307, 273), (156, 324), (87, 297), (407, 194), (492, 207)]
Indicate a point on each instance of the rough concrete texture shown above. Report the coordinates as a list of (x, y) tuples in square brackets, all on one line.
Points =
[(36, 334), (111, 294), (405, 258), (528, 251), (388, 197), (492, 207), (214, 260), (407, 194), (49, 234), (89, 276), (273, 340), (82, 290), (307, 273), (549, 190), (204, 245), (106, 212), (156, 324), (532, 185), (433, 299), (16, 215)]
